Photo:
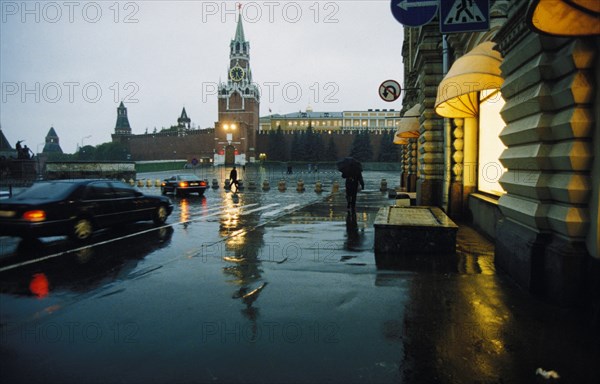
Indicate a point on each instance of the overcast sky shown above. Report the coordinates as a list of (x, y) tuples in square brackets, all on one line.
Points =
[(69, 64)]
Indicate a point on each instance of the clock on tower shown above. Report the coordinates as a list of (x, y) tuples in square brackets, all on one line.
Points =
[(237, 73)]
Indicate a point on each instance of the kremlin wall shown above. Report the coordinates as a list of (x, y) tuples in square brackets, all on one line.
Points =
[(199, 144)]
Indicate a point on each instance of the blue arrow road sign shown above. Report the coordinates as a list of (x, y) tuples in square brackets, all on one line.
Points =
[(414, 13), (464, 15)]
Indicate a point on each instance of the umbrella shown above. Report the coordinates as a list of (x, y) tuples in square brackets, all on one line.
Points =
[(349, 166)]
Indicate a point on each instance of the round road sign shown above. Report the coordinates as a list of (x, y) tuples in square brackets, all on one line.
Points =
[(390, 90), (414, 13)]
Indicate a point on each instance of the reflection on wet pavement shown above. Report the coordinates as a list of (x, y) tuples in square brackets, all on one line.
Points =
[(273, 287)]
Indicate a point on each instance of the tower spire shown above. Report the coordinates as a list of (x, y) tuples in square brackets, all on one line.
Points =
[(239, 32)]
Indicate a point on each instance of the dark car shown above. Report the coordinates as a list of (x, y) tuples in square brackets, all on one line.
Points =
[(183, 185), (78, 207)]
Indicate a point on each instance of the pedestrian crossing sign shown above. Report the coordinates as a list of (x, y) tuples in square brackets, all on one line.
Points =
[(464, 15)]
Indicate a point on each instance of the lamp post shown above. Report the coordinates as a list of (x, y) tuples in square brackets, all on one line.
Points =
[(39, 166), (83, 138)]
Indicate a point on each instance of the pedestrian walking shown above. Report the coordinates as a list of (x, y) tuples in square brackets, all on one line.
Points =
[(352, 182), (233, 179), (351, 171)]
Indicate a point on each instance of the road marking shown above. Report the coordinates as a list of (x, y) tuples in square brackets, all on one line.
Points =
[(283, 209), (259, 209)]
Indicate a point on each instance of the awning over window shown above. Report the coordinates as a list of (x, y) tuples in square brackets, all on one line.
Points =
[(477, 70), (408, 128), (565, 17)]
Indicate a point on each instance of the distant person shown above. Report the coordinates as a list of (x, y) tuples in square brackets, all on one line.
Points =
[(233, 179), (353, 179)]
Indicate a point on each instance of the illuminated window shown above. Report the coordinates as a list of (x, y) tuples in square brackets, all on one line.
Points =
[(490, 145)]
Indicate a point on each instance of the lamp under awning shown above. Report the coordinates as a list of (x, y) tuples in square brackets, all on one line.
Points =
[(565, 17), (408, 127), (476, 71), (400, 140)]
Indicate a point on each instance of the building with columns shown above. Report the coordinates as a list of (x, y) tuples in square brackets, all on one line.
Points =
[(371, 120), (507, 136), (238, 107)]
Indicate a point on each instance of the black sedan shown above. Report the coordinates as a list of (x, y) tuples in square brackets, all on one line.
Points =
[(184, 185), (78, 207)]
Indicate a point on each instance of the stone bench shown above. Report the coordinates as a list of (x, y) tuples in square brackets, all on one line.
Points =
[(415, 230)]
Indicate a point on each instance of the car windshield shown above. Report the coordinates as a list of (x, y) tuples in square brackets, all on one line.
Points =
[(46, 191), (189, 177)]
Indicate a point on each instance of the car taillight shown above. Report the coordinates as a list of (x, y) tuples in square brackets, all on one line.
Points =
[(183, 184), (163, 184), (36, 215), (203, 183)]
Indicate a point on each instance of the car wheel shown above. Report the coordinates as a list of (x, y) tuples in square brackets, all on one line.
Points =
[(82, 229), (161, 215)]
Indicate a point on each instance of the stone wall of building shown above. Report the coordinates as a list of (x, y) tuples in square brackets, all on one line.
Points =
[(546, 224), (549, 113)]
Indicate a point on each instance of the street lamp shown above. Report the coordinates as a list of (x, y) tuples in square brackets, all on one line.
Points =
[(83, 138)]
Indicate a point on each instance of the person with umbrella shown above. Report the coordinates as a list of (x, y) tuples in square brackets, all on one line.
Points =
[(351, 171), (234, 180)]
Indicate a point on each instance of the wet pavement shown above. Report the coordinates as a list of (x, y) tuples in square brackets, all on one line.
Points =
[(274, 287)]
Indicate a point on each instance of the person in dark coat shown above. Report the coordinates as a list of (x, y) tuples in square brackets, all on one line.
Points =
[(353, 179), (233, 179)]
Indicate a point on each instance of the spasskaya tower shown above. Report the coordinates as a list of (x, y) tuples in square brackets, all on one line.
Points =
[(238, 106)]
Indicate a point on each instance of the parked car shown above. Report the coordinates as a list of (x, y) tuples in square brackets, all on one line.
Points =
[(77, 208), (183, 185)]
